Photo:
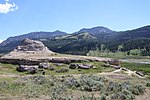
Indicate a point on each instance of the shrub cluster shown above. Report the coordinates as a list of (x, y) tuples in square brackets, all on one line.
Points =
[(62, 70), (113, 90), (148, 84), (124, 91), (87, 83), (56, 89)]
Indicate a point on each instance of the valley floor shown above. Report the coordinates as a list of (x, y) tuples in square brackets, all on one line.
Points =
[(97, 83), (31, 88)]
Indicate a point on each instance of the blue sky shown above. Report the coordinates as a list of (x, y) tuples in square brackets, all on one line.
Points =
[(22, 16)]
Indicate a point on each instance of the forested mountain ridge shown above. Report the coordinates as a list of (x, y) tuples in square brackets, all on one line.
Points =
[(98, 31), (143, 32), (86, 39), (12, 42), (33, 35), (132, 39)]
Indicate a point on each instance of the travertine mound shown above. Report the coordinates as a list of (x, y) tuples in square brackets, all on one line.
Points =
[(28, 49), (31, 45)]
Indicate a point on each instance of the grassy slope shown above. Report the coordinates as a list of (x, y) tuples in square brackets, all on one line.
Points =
[(138, 67), (8, 69)]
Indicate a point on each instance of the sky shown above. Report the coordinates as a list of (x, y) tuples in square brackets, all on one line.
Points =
[(19, 17)]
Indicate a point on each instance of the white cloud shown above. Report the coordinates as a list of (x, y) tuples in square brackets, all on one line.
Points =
[(1, 41), (8, 7)]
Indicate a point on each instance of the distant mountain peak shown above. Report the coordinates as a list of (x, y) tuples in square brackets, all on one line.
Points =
[(57, 31), (100, 27), (97, 31), (96, 28)]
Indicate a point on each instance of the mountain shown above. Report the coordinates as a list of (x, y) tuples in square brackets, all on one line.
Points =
[(77, 36), (131, 39), (13, 42), (33, 35), (72, 43), (96, 30), (99, 31), (143, 32), (82, 41)]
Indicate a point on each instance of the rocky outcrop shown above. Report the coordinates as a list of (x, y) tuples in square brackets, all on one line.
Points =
[(140, 73), (66, 60), (80, 66), (73, 66), (44, 65), (21, 61), (115, 67), (31, 45), (114, 62), (29, 48), (24, 68), (61, 60), (85, 66)]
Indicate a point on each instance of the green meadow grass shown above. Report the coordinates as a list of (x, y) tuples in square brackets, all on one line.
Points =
[(138, 67), (9, 69), (99, 68)]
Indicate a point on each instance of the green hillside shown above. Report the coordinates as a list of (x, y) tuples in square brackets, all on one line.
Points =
[(81, 42)]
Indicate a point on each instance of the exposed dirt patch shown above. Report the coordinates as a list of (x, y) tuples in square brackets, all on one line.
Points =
[(145, 96)]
